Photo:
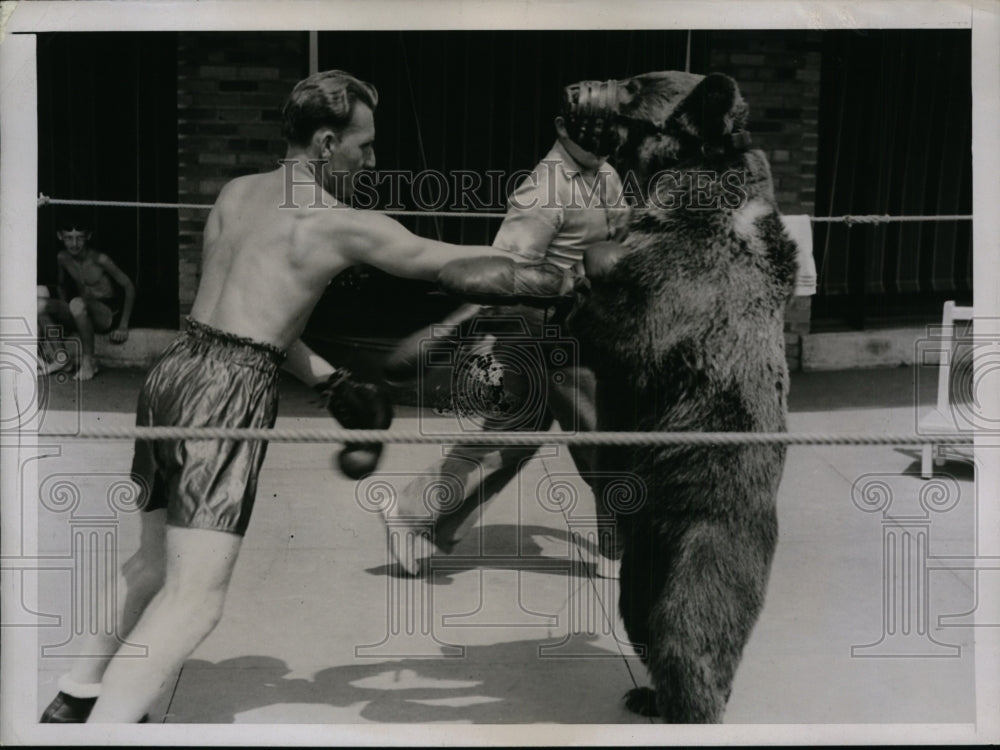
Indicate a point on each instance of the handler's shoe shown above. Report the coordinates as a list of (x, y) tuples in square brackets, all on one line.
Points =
[(67, 709), (608, 557), (410, 546), (607, 567)]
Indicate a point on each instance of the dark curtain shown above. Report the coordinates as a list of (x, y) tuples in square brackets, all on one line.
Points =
[(465, 100), (895, 138), (107, 130)]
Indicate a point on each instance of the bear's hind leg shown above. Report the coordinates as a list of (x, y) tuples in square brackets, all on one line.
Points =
[(640, 581), (703, 618)]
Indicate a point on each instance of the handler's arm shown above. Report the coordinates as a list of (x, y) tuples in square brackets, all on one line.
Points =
[(533, 219)]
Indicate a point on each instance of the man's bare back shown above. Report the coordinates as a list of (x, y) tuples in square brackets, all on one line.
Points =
[(268, 259), (264, 267)]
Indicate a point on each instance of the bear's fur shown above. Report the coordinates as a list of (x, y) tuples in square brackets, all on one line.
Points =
[(686, 334)]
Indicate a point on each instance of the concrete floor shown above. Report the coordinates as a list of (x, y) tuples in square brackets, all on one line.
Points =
[(514, 627)]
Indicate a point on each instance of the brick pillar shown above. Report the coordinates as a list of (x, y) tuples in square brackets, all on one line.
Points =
[(230, 88), (778, 73)]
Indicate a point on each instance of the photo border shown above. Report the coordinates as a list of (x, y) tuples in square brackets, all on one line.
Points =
[(18, 192)]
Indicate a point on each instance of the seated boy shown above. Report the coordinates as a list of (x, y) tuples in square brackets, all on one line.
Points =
[(103, 301)]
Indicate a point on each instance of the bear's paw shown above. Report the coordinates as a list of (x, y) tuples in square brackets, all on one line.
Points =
[(642, 701)]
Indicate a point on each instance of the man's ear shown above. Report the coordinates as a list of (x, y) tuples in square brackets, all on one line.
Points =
[(59, 235), (325, 141), (714, 108)]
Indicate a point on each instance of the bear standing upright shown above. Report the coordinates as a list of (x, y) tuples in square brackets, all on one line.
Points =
[(686, 333)]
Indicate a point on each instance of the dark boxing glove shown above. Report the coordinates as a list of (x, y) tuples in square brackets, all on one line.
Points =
[(600, 258), (356, 406), (500, 280)]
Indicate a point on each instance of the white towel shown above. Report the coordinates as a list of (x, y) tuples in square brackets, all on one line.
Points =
[(799, 228)]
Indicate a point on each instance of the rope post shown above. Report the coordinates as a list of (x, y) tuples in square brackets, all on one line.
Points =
[(313, 52)]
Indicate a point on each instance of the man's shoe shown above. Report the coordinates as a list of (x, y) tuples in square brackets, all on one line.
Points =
[(67, 709)]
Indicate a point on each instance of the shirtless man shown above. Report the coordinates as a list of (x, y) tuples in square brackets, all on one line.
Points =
[(98, 307), (272, 243)]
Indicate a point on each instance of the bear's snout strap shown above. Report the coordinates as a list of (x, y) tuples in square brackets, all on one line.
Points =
[(740, 140)]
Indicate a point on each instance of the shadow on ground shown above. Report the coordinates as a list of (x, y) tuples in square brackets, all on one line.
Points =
[(421, 690), (957, 469), (508, 547)]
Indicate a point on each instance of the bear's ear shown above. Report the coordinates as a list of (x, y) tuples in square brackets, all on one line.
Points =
[(713, 109)]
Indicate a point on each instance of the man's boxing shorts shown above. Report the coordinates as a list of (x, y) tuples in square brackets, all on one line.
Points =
[(206, 378)]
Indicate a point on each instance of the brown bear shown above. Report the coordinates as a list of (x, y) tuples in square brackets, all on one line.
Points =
[(685, 333)]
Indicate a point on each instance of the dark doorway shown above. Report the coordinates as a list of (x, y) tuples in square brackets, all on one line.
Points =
[(107, 130)]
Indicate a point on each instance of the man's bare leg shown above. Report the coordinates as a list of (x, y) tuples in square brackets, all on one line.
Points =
[(48, 352), (85, 330), (137, 582), (52, 357), (140, 577), (53, 312), (199, 567)]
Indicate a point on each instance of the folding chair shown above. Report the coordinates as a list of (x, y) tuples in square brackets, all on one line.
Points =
[(942, 418)]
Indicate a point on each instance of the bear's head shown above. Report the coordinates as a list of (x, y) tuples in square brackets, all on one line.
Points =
[(670, 120)]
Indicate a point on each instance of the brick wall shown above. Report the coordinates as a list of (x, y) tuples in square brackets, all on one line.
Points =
[(779, 75), (230, 87)]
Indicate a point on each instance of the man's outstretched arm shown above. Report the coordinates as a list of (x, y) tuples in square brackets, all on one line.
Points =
[(386, 244)]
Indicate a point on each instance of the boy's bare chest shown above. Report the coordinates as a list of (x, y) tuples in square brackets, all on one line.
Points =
[(86, 271)]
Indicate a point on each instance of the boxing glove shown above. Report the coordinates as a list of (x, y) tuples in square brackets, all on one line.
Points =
[(356, 406), (600, 258), (406, 360), (500, 280)]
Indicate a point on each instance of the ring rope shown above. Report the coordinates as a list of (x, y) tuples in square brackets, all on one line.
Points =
[(336, 435), (886, 218), (44, 200)]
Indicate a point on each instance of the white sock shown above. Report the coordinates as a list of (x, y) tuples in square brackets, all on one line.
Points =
[(79, 689)]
